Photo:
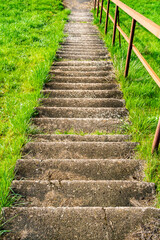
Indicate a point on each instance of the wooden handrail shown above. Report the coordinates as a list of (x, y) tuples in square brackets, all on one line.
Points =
[(147, 24)]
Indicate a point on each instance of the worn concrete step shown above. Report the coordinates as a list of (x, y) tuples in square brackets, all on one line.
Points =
[(104, 79), (91, 73), (80, 29), (84, 57), (79, 112), (78, 150), (82, 93), (82, 38), (81, 24), (80, 42), (86, 125), (84, 44), (70, 67), (82, 193), (79, 138), (79, 169), (77, 13), (91, 223), (83, 64), (81, 19), (85, 47), (80, 86), (78, 50), (80, 102), (81, 32), (82, 52)]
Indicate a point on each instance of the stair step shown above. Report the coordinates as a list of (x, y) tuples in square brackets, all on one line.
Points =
[(83, 37), (79, 150), (84, 48), (81, 45), (81, 223), (83, 64), (79, 169), (81, 32), (80, 73), (79, 86), (81, 68), (79, 138), (82, 193), (104, 79), (83, 57), (72, 112), (82, 93), (87, 125), (80, 102), (81, 19)]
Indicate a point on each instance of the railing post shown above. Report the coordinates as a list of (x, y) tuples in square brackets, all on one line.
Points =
[(107, 15), (130, 47), (115, 25), (97, 8), (100, 20), (95, 1), (119, 32), (156, 140)]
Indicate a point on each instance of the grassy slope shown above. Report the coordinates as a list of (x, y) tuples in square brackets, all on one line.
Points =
[(29, 37), (141, 93)]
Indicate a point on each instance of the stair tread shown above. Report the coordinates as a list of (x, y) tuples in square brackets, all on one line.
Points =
[(82, 192), (79, 169)]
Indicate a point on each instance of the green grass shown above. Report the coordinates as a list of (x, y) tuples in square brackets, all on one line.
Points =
[(30, 33), (141, 93)]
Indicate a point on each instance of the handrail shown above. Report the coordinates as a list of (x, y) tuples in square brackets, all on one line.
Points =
[(147, 24)]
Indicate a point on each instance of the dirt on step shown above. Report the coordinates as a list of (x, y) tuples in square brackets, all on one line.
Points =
[(78, 4)]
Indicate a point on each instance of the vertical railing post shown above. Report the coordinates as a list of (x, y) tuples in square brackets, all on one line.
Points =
[(115, 25), (107, 15), (100, 20), (119, 31), (156, 138), (97, 8), (95, 2), (130, 47)]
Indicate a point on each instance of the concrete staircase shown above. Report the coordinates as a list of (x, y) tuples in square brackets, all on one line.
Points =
[(73, 186)]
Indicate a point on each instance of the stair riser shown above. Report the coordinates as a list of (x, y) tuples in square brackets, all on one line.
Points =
[(79, 138), (77, 223), (78, 150), (82, 94), (83, 64), (79, 53), (83, 74), (77, 125), (108, 79), (79, 169), (81, 112), (82, 57), (82, 193), (96, 103), (53, 85), (83, 48), (53, 223), (82, 68)]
